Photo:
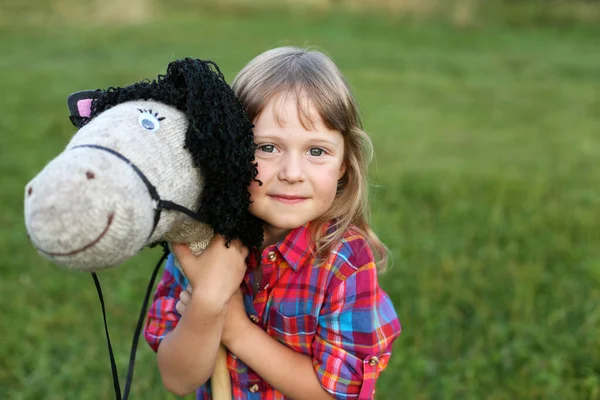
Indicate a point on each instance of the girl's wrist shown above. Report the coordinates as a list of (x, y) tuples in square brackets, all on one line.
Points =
[(235, 338), (208, 305)]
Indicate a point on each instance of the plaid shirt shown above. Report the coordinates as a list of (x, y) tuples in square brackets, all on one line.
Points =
[(334, 312)]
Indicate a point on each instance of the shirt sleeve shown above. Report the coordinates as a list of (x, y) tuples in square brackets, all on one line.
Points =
[(162, 317), (356, 329)]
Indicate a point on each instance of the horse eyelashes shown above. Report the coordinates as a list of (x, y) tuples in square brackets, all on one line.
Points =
[(142, 110)]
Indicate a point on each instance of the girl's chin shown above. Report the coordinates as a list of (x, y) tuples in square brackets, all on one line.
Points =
[(274, 234)]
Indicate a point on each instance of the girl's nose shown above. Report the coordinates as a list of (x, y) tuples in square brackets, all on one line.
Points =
[(291, 169)]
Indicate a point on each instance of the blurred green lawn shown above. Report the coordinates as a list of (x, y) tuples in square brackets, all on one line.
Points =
[(485, 188)]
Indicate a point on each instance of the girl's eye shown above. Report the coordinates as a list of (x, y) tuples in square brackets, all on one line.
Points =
[(316, 152), (267, 148), (149, 121)]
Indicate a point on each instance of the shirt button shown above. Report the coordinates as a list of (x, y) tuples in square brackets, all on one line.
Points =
[(254, 319), (271, 256), (254, 388), (373, 361)]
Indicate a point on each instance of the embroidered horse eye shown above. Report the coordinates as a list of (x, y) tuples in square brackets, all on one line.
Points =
[(149, 121)]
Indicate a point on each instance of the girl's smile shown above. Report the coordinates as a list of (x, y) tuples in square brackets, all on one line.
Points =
[(289, 199)]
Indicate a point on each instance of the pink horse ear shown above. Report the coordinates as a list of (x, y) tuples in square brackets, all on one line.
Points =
[(80, 106), (84, 107)]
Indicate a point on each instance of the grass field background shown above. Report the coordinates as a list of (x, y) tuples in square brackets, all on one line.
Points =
[(485, 188)]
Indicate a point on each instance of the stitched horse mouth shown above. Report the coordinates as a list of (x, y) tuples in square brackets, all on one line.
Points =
[(87, 246)]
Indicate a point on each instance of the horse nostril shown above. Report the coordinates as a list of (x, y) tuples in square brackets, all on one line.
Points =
[(90, 175), (29, 191)]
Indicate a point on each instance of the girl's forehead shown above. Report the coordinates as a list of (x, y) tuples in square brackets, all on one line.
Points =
[(292, 107)]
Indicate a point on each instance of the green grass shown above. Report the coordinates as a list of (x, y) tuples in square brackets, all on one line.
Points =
[(485, 187)]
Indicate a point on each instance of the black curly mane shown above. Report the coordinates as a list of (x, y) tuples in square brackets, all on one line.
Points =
[(219, 138)]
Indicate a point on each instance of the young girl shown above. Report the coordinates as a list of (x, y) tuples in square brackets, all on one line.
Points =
[(307, 320)]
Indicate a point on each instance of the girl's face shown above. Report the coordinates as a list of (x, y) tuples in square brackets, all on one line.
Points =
[(299, 168)]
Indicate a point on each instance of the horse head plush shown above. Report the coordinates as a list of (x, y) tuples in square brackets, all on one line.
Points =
[(167, 160), (180, 140)]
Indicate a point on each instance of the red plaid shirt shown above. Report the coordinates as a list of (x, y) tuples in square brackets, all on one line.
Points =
[(334, 312)]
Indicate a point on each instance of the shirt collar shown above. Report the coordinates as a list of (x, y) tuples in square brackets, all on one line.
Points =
[(296, 248)]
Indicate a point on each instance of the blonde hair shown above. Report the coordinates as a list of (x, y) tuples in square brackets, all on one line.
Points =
[(315, 76)]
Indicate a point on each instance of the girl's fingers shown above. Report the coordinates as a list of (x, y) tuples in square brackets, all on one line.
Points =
[(185, 297), (180, 307), (218, 240)]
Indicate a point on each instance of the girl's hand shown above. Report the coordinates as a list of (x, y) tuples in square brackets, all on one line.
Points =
[(236, 320), (215, 274)]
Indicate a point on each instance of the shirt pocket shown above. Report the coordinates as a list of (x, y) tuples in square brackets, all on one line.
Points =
[(297, 332)]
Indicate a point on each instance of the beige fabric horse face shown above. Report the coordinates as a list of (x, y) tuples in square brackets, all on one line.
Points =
[(89, 209)]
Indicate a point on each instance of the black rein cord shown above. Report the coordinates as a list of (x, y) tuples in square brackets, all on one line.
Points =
[(136, 336)]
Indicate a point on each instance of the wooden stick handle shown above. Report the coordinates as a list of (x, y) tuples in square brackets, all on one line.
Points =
[(220, 380)]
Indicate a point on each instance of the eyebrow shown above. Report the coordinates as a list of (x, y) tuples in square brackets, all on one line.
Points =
[(324, 141)]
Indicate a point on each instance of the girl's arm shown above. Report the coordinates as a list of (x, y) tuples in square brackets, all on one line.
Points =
[(163, 319), (186, 356), (187, 351), (356, 328), (288, 371)]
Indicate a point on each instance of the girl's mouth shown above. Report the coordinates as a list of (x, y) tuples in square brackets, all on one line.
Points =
[(287, 199)]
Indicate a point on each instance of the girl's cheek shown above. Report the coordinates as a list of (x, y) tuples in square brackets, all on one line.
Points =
[(329, 174), (259, 176), (254, 186), (265, 170)]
